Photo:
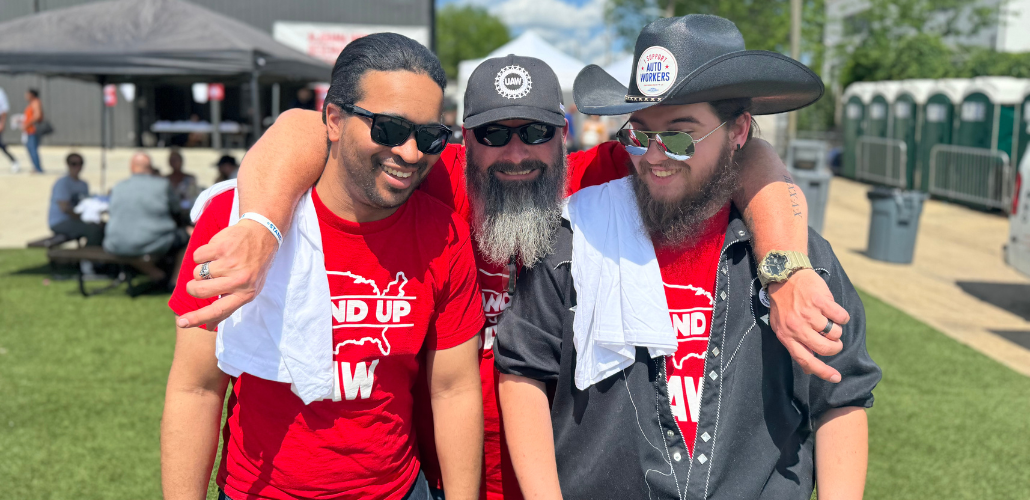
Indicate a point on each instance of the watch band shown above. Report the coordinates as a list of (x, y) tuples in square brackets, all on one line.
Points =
[(796, 261)]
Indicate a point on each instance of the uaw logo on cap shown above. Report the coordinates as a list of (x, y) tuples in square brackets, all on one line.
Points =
[(513, 82), (656, 71)]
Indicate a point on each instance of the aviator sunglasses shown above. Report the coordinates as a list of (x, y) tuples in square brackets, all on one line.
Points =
[(677, 146), (391, 131), (497, 135)]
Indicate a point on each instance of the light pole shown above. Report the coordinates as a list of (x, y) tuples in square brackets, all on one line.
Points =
[(795, 52)]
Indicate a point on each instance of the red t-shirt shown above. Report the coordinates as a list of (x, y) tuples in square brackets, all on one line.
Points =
[(688, 273), (397, 285), (446, 182)]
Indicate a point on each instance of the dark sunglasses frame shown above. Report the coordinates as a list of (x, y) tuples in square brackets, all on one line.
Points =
[(676, 145), (502, 134), (392, 131)]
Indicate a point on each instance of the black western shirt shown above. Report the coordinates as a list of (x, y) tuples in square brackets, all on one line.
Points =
[(755, 437)]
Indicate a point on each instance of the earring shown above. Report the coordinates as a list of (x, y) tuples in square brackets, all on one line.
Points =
[(738, 147)]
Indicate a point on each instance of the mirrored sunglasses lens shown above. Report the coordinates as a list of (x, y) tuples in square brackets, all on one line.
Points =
[(677, 143), (537, 133), (629, 139), (493, 136), (390, 131)]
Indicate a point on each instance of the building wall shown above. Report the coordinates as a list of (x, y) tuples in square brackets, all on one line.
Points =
[(74, 107)]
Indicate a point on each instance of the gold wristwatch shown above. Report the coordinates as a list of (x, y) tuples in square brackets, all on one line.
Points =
[(778, 265)]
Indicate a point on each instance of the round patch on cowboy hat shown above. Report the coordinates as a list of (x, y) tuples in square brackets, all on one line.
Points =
[(513, 82), (656, 71)]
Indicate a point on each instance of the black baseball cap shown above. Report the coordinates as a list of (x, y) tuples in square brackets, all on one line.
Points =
[(513, 87)]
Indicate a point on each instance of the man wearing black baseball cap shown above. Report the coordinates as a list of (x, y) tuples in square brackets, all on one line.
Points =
[(509, 183), (637, 359)]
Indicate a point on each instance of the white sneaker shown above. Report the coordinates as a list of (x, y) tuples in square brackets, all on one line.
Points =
[(15, 167)]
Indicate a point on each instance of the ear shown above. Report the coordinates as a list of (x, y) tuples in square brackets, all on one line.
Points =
[(565, 132), (334, 117), (740, 130)]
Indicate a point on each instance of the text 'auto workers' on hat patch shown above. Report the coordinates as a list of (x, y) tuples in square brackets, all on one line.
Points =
[(656, 71), (513, 82)]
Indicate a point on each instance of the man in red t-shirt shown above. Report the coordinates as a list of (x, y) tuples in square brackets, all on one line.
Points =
[(402, 286), (519, 176)]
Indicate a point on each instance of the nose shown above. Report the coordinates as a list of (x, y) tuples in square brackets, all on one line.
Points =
[(408, 151), (654, 153), (515, 151)]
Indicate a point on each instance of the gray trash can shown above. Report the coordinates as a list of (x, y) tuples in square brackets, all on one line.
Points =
[(894, 224), (815, 184), (806, 160)]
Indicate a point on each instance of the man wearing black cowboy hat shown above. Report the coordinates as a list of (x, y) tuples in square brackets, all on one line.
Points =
[(605, 397)]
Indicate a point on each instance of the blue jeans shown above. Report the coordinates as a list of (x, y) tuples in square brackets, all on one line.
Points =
[(32, 144)]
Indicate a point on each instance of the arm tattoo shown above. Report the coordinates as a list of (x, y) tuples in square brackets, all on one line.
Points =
[(792, 191)]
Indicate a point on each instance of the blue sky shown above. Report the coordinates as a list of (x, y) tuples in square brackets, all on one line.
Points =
[(574, 26)]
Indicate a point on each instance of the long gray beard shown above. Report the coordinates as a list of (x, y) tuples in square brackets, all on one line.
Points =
[(516, 218), (676, 222)]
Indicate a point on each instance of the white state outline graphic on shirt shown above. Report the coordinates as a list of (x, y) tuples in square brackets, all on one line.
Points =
[(678, 363), (399, 278)]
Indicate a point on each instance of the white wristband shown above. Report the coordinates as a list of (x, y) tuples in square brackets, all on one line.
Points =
[(261, 219)]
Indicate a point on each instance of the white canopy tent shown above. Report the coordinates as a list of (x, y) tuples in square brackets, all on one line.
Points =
[(621, 69), (528, 44)]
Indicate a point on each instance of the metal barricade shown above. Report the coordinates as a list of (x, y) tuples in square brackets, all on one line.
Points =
[(972, 175), (882, 161)]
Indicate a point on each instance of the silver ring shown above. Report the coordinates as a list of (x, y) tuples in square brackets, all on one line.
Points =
[(205, 273), (829, 326)]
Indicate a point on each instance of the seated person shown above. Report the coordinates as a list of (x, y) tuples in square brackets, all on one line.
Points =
[(69, 191), (227, 168), (144, 217), (184, 185)]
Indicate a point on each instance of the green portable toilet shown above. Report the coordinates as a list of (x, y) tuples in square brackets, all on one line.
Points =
[(987, 120), (1023, 127), (937, 122), (907, 114), (854, 100), (877, 117)]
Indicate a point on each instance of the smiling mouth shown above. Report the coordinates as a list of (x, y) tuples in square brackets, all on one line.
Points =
[(518, 172), (662, 173), (397, 173)]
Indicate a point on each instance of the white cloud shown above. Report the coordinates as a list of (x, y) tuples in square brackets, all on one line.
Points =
[(549, 13)]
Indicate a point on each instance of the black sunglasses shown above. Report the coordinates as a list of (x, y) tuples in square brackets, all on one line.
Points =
[(391, 131), (497, 135)]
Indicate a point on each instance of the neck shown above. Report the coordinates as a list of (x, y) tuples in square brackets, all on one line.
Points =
[(332, 190)]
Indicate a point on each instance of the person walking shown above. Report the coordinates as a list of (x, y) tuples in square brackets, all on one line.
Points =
[(33, 116), (5, 107)]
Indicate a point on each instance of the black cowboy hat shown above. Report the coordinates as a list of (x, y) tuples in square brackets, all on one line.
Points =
[(698, 58)]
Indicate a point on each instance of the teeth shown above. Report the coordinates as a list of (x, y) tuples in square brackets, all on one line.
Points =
[(662, 173), (520, 172), (397, 173)]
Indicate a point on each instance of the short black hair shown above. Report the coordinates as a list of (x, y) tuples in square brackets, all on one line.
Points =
[(379, 52), (68, 159), (729, 110), (34, 92)]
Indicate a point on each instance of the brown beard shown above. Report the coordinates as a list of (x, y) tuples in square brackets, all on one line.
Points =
[(677, 222), (513, 218)]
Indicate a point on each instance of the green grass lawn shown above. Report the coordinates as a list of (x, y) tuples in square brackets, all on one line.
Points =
[(82, 384)]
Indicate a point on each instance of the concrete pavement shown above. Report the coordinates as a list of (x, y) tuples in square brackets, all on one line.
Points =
[(25, 197), (958, 250)]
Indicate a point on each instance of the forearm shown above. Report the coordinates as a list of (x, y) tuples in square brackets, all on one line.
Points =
[(774, 208), (842, 454), (282, 166), (189, 440), (530, 437), (192, 415), (458, 423)]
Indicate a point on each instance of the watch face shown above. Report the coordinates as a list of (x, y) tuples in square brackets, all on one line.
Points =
[(775, 264)]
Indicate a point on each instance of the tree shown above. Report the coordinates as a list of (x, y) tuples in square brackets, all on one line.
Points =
[(466, 33), (765, 24), (905, 39)]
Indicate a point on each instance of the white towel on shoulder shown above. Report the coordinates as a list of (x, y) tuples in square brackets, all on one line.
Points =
[(621, 302), (285, 334)]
